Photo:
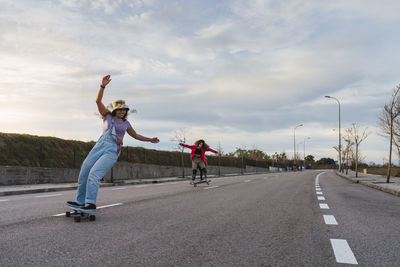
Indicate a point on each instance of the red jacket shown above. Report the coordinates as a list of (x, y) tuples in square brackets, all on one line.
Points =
[(203, 152)]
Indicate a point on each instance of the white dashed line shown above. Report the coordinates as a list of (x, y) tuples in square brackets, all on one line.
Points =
[(111, 205), (211, 187), (342, 250), (321, 198), (55, 195), (324, 206), (101, 207), (122, 188), (143, 185), (247, 181), (330, 219), (4, 200), (320, 193)]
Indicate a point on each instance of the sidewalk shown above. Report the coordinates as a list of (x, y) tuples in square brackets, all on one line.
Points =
[(374, 181), (9, 190)]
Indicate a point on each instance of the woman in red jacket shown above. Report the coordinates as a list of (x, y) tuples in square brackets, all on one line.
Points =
[(198, 156)]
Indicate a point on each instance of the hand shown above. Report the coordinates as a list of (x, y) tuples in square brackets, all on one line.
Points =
[(106, 80), (154, 140), (119, 142)]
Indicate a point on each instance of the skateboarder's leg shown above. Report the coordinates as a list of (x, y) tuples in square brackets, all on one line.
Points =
[(194, 169), (204, 170), (87, 164), (98, 171), (202, 167)]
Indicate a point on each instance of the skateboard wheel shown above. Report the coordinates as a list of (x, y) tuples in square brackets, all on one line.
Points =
[(77, 219), (67, 214), (92, 217)]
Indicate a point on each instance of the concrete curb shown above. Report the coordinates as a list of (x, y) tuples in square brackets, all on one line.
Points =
[(121, 183), (370, 183)]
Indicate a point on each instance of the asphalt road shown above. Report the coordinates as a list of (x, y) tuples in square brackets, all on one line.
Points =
[(257, 220)]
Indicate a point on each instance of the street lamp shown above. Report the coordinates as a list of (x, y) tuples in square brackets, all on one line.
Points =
[(304, 151), (294, 141), (340, 137)]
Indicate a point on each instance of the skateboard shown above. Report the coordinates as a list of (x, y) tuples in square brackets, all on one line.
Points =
[(200, 182), (79, 215)]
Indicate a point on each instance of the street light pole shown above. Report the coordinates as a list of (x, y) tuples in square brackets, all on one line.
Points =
[(340, 137), (304, 151), (294, 141)]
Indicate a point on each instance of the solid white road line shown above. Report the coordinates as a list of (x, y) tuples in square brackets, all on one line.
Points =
[(343, 251), (122, 188), (211, 187), (330, 219), (55, 195), (321, 198), (320, 193), (4, 200), (247, 181), (317, 178), (323, 206)]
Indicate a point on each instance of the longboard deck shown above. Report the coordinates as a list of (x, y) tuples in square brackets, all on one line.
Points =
[(78, 214), (201, 182)]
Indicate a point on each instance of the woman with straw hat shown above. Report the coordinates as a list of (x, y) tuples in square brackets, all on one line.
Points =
[(106, 151)]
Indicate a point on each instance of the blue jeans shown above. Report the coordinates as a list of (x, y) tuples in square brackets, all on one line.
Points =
[(96, 165)]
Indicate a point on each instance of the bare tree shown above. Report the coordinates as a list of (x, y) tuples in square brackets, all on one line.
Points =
[(348, 150), (357, 135), (387, 120), (180, 137)]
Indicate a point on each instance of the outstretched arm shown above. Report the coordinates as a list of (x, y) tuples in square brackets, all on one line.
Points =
[(187, 146), (100, 106), (212, 150), (139, 137)]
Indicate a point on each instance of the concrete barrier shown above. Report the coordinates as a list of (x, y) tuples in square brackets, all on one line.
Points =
[(19, 175)]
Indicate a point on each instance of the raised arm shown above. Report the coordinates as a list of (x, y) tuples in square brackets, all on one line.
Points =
[(100, 106), (139, 137)]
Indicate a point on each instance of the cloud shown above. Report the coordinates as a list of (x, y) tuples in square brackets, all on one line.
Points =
[(239, 72)]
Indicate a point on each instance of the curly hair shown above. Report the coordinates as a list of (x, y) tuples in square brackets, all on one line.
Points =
[(205, 146)]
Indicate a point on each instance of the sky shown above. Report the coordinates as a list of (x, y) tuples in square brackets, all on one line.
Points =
[(239, 74)]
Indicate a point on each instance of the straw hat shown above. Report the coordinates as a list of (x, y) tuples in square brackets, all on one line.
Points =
[(119, 104)]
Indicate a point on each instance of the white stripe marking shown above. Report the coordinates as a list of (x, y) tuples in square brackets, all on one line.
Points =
[(321, 198), (342, 250), (4, 200), (101, 207), (317, 178), (324, 206), (211, 187), (320, 193), (122, 188), (247, 181), (330, 219), (144, 185), (55, 195), (111, 205)]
